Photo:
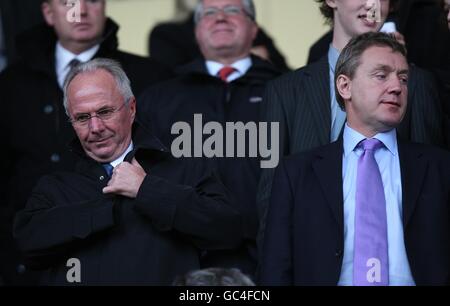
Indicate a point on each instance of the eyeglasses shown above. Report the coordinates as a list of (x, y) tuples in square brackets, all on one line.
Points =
[(229, 10), (103, 114)]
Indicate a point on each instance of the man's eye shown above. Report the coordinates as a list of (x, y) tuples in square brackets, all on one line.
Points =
[(105, 112), (232, 10), (380, 76), (209, 12), (82, 118)]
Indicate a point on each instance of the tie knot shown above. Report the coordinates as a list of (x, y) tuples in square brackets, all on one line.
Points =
[(371, 144), (225, 72), (108, 168), (73, 63)]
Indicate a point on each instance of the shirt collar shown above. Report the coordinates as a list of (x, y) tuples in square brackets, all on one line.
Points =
[(352, 138), (121, 158), (241, 66), (64, 56), (333, 56)]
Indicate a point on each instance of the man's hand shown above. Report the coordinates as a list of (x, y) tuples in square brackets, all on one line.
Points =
[(126, 179)]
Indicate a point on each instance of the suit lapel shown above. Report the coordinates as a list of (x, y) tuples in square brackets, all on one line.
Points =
[(413, 167), (328, 169), (318, 95)]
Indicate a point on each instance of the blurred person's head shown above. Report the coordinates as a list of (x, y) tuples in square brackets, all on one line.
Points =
[(351, 18), (73, 35), (447, 11), (101, 107), (371, 83), (225, 29), (214, 277)]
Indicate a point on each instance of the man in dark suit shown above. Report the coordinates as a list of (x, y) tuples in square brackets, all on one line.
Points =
[(368, 209), (225, 85), (304, 101), (130, 214)]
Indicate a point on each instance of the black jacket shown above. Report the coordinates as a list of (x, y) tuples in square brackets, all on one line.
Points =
[(194, 91), (180, 209), (16, 17), (34, 121)]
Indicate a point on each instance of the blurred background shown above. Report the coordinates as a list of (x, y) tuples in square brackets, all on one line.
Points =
[(294, 25)]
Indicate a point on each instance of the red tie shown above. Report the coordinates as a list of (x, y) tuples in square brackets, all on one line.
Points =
[(225, 72)]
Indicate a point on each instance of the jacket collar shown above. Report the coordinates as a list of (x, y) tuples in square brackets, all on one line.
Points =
[(42, 41), (328, 169), (143, 140), (259, 72), (413, 167)]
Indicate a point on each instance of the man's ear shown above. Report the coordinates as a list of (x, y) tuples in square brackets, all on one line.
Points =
[(47, 12), (331, 3), (344, 87), (132, 106)]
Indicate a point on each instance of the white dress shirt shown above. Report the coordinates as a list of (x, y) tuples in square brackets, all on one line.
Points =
[(64, 57), (241, 66), (119, 160)]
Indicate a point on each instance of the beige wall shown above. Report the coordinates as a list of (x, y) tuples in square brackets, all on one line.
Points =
[(294, 24)]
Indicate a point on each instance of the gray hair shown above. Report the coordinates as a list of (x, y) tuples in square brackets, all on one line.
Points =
[(350, 57), (109, 65), (214, 277), (249, 8)]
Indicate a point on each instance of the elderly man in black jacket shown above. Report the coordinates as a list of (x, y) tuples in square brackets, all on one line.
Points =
[(224, 86), (130, 213), (31, 99)]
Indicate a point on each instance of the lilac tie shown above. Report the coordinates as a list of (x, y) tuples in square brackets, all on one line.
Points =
[(370, 262)]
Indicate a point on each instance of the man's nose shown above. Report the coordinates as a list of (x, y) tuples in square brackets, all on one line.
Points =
[(83, 7), (395, 86), (96, 125)]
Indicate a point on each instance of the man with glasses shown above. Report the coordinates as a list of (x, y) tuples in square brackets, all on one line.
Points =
[(31, 101), (130, 214), (225, 85)]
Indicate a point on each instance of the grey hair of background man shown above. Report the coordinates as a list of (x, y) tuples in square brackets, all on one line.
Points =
[(214, 277), (109, 65), (249, 8), (350, 57)]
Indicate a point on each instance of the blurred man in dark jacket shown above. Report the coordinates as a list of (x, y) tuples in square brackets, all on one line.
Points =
[(224, 86)]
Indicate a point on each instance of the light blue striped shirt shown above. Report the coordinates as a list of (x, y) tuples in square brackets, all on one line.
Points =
[(389, 164)]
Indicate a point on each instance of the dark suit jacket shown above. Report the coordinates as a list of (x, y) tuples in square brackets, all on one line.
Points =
[(304, 239), (16, 17), (300, 101)]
